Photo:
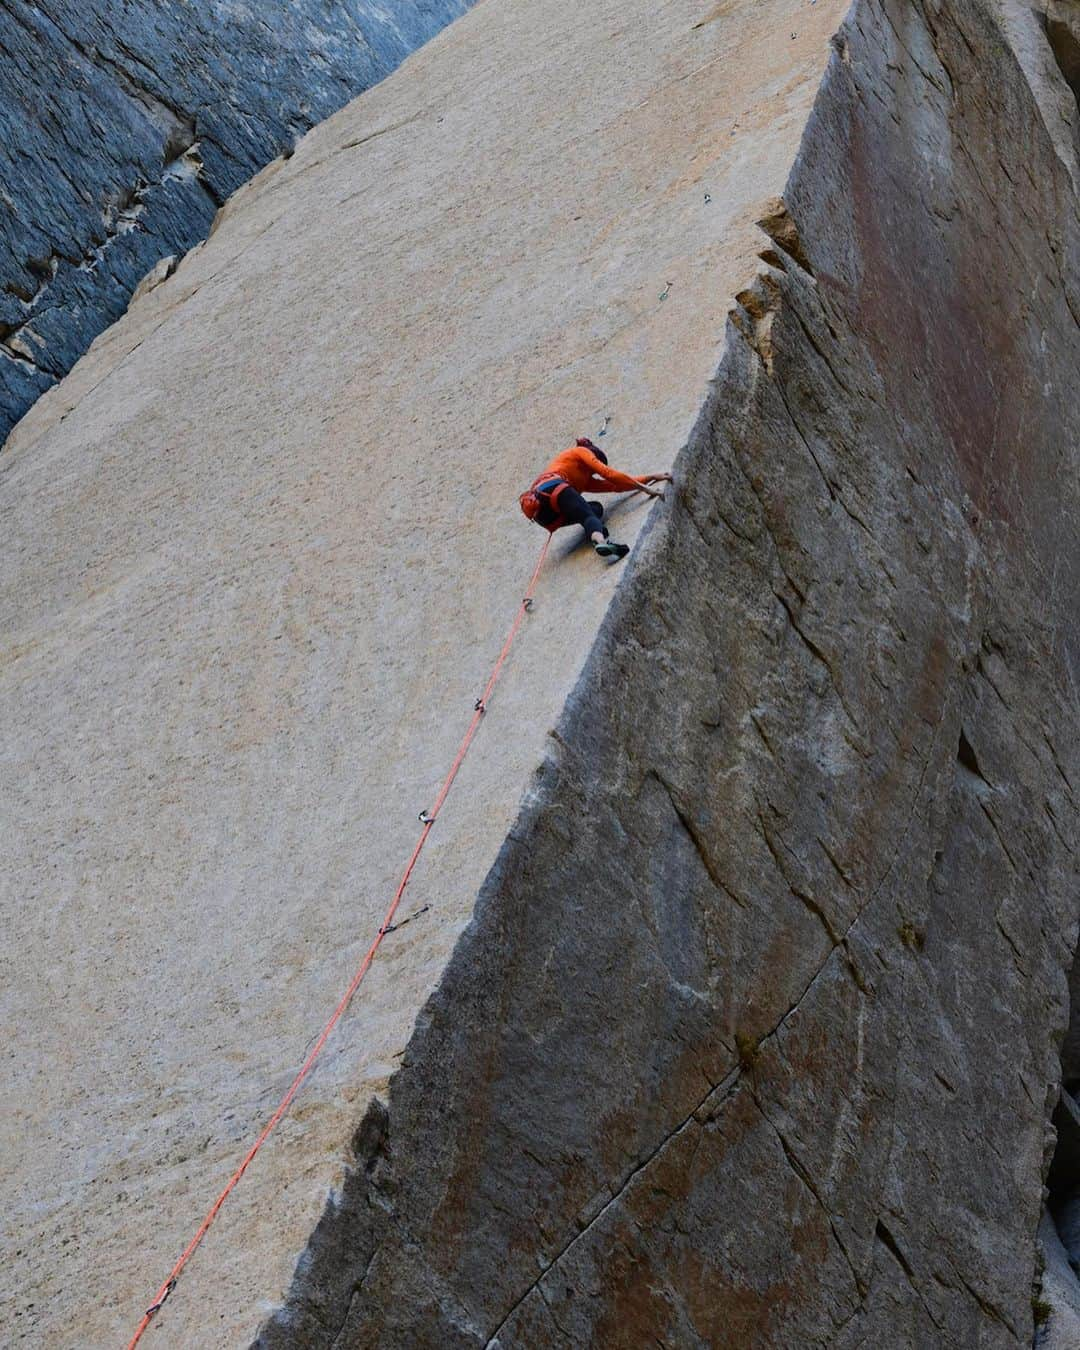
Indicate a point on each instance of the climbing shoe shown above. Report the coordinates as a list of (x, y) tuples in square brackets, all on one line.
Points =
[(608, 549)]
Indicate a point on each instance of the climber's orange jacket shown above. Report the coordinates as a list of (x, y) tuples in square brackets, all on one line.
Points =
[(580, 468)]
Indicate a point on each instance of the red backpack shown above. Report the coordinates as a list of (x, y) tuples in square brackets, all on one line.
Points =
[(532, 500)]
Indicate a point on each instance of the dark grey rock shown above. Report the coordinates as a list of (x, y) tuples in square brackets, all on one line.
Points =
[(122, 129), (1057, 1309)]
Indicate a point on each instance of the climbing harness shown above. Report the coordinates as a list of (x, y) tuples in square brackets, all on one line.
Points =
[(427, 820)]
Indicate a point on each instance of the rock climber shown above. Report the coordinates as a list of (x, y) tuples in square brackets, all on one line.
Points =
[(555, 498)]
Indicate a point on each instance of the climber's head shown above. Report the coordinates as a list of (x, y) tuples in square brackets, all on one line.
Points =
[(586, 444)]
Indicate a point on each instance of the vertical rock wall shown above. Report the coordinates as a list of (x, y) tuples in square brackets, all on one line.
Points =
[(261, 548), (123, 129), (753, 1040)]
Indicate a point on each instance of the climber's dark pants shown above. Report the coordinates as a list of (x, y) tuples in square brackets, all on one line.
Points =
[(573, 509)]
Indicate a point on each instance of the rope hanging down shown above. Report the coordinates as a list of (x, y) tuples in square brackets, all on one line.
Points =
[(428, 819)]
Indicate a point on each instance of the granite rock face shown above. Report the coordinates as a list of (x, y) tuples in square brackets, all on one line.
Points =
[(754, 1038), (261, 548), (124, 128), (745, 1029)]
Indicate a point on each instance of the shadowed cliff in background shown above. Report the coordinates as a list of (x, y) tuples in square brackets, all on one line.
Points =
[(124, 128)]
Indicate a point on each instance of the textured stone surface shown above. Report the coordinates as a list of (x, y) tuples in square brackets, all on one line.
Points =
[(751, 1037), (124, 127), (1058, 1308), (286, 484)]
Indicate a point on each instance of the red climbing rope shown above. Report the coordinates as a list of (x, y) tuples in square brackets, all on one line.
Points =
[(428, 819)]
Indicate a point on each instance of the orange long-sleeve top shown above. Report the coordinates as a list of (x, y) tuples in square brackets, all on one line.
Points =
[(582, 470)]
